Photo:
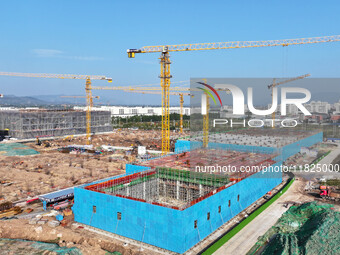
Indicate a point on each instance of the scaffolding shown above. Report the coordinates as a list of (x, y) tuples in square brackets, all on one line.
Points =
[(25, 124), (173, 188), (217, 161)]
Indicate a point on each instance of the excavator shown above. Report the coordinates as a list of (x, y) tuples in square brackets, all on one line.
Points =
[(45, 144), (329, 193)]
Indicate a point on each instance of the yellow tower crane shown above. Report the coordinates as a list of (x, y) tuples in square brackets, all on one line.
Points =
[(88, 90), (165, 75), (274, 84), (181, 102)]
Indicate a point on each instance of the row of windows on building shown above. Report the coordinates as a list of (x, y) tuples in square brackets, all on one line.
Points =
[(134, 111), (150, 111), (219, 210), (119, 214)]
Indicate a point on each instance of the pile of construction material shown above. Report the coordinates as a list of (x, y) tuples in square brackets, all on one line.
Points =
[(310, 228)]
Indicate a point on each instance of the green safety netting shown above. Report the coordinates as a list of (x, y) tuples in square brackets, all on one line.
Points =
[(310, 228), (23, 247), (16, 149)]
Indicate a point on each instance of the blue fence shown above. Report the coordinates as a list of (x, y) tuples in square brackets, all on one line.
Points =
[(169, 228)]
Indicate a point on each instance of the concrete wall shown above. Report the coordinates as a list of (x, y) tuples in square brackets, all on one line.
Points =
[(169, 228)]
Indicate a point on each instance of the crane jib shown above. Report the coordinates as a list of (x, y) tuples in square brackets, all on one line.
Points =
[(233, 45)]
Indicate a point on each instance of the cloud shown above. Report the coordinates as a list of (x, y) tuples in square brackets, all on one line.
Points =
[(50, 53), (47, 53)]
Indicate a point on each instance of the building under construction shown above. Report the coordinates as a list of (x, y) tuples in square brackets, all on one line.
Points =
[(166, 203), (174, 202), (25, 124)]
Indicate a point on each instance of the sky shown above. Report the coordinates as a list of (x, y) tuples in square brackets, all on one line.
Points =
[(91, 37)]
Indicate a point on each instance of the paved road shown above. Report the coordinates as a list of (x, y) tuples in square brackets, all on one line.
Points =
[(244, 240), (330, 174), (331, 156)]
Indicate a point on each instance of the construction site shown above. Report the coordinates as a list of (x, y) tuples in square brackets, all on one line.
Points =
[(111, 182), (189, 206), (178, 191), (74, 180)]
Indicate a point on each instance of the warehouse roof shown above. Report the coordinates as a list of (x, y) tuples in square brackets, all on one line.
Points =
[(57, 195)]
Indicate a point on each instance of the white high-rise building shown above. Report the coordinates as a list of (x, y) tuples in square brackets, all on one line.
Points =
[(337, 106), (318, 107), (124, 111), (312, 107)]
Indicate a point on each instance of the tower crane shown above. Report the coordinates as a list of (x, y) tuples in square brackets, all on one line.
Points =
[(165, 62), (88, 90), (274, 84)]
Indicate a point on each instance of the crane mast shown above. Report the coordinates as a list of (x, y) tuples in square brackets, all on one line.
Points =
[(181, 101), (165, 85)]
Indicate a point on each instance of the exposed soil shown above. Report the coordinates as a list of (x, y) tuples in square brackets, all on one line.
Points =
[(88, 242), (52, 170)]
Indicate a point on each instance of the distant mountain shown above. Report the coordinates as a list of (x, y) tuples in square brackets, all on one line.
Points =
[(57, 99), (10, 100)]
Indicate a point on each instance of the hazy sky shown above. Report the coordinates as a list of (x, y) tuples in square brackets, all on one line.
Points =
[(91, 37)]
